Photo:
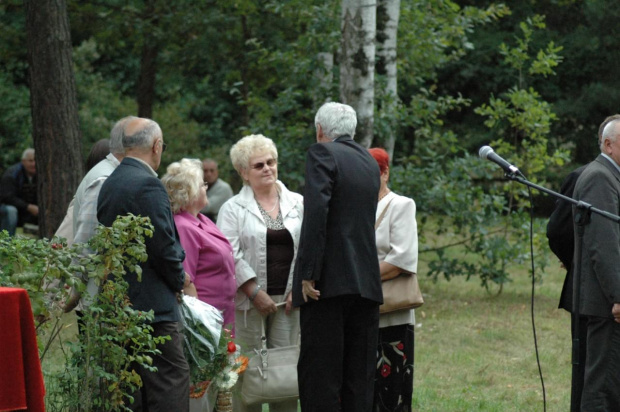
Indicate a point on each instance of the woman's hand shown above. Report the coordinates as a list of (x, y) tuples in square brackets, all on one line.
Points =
[(190, 290), (264, 304)]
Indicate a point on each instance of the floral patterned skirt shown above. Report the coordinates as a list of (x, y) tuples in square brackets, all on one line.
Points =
[(394, 376)]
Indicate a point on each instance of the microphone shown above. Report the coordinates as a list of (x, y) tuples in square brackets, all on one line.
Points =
[(486, 152)]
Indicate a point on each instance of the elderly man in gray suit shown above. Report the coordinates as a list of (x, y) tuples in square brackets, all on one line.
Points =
[(599, 185)]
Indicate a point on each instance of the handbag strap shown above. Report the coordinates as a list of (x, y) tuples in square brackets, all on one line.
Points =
[(382, 215)]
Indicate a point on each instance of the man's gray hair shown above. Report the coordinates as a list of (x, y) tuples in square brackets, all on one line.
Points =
[(27, 153), (609, 133), (336, 119), (116, 136), (144, 137)]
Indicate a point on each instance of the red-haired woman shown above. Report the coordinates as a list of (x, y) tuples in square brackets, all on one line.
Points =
[(397, 249)]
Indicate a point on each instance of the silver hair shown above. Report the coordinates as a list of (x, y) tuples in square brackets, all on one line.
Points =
[(609, 133), (183, 181), (336, 119), (27, 153), (144, 137), (248, 146), (116, 136)]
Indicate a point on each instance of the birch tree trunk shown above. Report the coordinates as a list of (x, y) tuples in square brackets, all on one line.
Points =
[(54, 108), (324, 78), (357, 64), (388, 13)]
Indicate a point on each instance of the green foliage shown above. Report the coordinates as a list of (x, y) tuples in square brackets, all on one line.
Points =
[(483, 216)]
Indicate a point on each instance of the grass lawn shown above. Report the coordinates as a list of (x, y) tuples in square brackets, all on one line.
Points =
[(474, 351)]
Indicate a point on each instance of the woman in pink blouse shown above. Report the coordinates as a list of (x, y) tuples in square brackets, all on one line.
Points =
[(209, 257)]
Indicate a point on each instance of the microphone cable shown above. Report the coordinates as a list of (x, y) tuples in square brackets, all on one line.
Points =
[(542, 380)]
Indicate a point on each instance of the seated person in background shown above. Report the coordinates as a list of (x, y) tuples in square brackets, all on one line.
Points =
[(209, 257), (18, 194), (218, 190)]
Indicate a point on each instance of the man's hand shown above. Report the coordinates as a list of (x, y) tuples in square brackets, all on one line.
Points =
[(289, 303), (615, 311), (33, 209), (308, 290)]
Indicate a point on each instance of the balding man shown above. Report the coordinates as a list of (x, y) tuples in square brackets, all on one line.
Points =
[(18, 194), (599, 185), (562, 242), (218, 191), (134, 188)]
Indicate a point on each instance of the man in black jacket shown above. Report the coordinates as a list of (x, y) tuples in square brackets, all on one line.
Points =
[(18, 194), (134, 188), (337, 282)]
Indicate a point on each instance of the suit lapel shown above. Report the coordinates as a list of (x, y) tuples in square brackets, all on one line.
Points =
[(613, 169)]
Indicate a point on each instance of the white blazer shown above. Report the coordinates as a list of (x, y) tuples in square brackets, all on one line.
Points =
[(397, 243), (242, 223)]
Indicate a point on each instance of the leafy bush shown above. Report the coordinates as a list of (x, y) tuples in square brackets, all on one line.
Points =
[(98, 373)]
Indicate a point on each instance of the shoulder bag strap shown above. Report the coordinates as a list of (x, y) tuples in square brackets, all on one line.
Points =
[(382, 215)]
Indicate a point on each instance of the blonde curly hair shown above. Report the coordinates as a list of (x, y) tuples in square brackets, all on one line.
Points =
[(183, 181), (248, 146)]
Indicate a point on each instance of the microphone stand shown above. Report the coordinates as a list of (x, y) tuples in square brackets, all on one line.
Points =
[(582, 218)]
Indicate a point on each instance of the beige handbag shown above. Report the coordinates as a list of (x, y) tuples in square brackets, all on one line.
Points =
[(271, 375), (401, 292)]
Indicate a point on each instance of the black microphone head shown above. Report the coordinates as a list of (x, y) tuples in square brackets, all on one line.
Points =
[(485, 151)]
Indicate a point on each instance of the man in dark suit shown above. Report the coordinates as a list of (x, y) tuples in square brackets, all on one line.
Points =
[(599, 185), (337, 282), (562, 243), (133, 187)]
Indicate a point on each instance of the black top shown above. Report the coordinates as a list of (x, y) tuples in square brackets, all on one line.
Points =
[(280, 252)]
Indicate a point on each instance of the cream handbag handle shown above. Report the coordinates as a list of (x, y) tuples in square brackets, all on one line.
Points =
[(382, 215)]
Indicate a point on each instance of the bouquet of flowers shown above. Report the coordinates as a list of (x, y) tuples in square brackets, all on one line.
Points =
[(209, 349)]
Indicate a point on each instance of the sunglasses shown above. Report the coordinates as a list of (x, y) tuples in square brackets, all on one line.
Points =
[(261, 165), (163, 147)]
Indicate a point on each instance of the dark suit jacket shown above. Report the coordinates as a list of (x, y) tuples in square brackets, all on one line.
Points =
[(562, 236), (337, 244), (132, 188), (599, 185)]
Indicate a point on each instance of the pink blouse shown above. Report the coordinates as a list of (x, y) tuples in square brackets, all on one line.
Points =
[(209, 262)]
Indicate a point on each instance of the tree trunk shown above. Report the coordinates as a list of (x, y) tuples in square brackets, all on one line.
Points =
[(388, 13), (357, 65), (146, 82), (53, 103), (148, 63), (324, 78)]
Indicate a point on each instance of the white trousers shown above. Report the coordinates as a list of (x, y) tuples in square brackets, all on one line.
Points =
[(281, 330)]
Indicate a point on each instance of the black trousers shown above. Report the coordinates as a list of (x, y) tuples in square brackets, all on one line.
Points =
[(338, 352), (601, 389), (167, 389), (577, 379)]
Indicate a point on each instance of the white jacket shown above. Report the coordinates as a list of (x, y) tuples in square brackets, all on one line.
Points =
[(242, 223)]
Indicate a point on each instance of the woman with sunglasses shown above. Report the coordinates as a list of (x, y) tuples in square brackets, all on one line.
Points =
[(208, 255), (263, 224)]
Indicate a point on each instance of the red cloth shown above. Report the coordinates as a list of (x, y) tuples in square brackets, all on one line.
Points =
[(21, 379)]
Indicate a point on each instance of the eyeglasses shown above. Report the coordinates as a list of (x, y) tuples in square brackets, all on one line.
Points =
[(261, 165), (163, 147)]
